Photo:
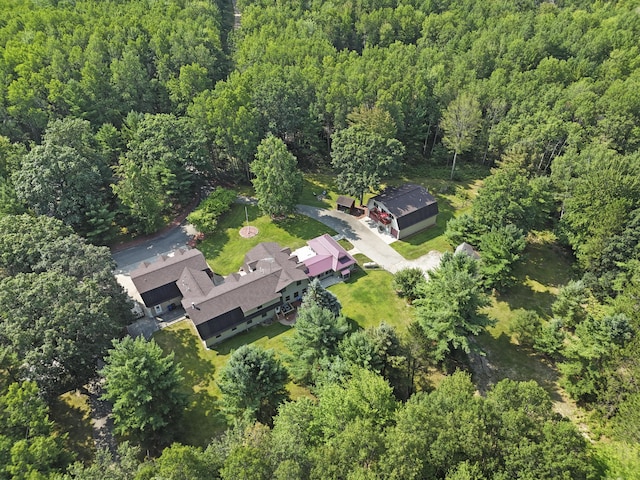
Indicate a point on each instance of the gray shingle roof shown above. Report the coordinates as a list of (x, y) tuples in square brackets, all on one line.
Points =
[(409, 203), (166, 269), (269, 269)]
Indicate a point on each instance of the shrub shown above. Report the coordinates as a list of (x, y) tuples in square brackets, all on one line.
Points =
[(526, 327), (205, 217), (407, 281)]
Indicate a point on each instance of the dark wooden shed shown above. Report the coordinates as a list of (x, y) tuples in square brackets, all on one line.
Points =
[(345, 204)]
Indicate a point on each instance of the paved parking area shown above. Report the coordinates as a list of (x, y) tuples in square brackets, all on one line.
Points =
[(368, 241), (144, 327)]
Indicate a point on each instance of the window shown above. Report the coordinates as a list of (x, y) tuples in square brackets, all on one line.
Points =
[(287, 298), (299, 282), (264, 314), (258, 307), (249, 322), (218, 336), (295, 295), (234, 329)]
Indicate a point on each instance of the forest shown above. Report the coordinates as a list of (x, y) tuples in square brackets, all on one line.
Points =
[(117, 115)]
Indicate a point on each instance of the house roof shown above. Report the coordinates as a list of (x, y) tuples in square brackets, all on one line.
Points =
[(329, 256), (344, 201), (268, 270), (409, 203), (166, 269)]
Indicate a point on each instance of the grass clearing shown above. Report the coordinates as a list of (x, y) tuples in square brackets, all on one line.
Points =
[(225, 249), (71, 411), (201, 369), (368, 298), (544, 268)]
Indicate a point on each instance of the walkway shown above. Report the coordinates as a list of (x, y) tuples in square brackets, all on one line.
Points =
[(367, 242), (362, 238)]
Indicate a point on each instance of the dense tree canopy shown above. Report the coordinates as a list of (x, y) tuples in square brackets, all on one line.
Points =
[(157, 98), (362, 157), (58, 336)]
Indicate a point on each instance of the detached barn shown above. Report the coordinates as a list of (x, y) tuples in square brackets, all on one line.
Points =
[(404, 210)]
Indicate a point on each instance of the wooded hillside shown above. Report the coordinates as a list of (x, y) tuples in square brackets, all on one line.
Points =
[(115, 114)]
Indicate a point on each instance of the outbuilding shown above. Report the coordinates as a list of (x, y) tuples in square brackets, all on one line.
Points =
[(403, 210), (345, 204)]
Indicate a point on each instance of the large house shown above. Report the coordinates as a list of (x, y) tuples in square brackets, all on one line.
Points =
[(269, 279), (404, 210), (155, 281)]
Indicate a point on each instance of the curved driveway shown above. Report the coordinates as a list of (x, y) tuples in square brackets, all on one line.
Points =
[(129, 258), (358, 233), (367, 242)]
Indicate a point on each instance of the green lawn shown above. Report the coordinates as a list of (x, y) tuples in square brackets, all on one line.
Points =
[(72, 412), (202, 367), (544, 268), (367, 299), (225, 249)]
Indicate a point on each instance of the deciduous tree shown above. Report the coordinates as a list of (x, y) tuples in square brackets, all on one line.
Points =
[(407, 282), (278, 182), (58, 327), (29, 445), (460, 124), (57, 181), (362, 157)]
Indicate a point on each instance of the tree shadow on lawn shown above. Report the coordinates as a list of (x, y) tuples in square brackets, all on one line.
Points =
[(504, 359), (524, 297), (542, 270), (545, 263), (196, 370), (312, 193), (202, 420), (75, 421)]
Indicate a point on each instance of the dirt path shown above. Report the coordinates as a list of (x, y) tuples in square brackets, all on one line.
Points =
[(101, 419)]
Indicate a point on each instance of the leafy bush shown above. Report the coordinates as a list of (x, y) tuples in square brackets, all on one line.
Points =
[(205, 217), (526, 327), (407, 281)]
